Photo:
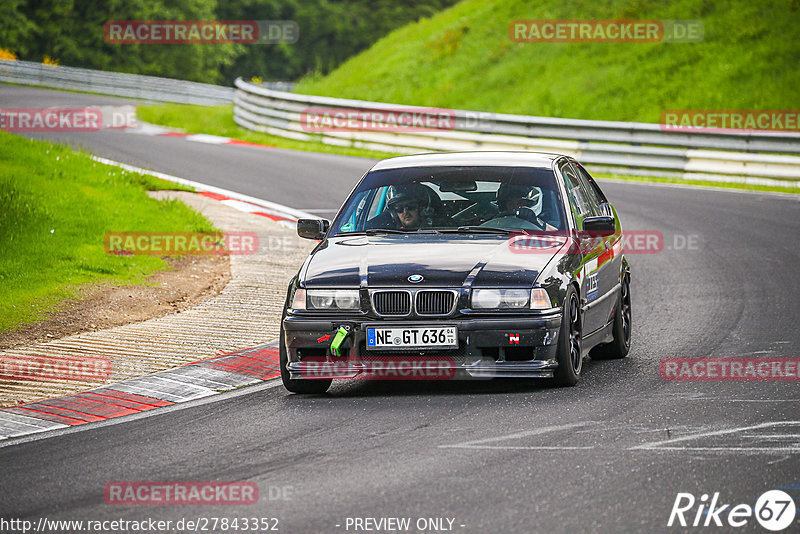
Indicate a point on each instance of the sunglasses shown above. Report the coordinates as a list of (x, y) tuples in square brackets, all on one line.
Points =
[(401, 209)]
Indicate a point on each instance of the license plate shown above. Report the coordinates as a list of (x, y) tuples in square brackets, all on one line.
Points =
[(415, 337)]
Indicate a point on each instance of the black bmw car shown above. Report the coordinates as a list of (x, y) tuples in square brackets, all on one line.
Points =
[(460, 265)]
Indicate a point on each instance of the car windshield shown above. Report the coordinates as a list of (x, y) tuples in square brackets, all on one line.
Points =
[(464, 199)]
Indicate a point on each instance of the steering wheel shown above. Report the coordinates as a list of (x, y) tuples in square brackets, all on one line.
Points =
[(527, 214)]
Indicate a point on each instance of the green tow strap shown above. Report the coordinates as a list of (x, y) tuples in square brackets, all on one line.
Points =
[(338, 339)]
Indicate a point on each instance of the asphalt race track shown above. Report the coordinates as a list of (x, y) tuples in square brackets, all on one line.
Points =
[(609, 455)]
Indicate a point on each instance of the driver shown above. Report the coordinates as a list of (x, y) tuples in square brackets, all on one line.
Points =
[(408, 205)]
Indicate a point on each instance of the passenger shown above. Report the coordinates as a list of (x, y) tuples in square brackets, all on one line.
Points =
[(520, 201), (511, 197)]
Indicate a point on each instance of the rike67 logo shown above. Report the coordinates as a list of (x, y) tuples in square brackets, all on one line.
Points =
[(774, 510)]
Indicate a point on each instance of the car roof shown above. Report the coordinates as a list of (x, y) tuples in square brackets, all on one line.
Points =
[(477, 158)]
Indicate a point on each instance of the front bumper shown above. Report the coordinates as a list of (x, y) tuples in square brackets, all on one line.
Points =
[(518, 346)]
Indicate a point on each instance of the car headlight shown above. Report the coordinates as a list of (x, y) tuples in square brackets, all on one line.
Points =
[(493, 299), (332, 299), (510, 299)]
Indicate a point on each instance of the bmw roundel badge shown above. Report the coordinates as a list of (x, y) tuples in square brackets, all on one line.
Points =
[(415, 278)]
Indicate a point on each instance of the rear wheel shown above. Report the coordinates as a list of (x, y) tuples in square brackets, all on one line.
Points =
[(298, 385), (621, 344), (569, 354)]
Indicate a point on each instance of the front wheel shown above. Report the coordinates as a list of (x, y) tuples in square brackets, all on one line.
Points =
[(298, 385), (570, 355), (621, 331)]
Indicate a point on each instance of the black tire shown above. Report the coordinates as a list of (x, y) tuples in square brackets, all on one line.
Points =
[(569, 353), (621, 344), (298, 385)]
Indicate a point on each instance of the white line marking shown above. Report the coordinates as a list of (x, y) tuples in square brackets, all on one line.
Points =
[(779, 460), (128, 386), (246, 207), (274, 206), (751, 400), (206, 377), (14, 426), (771, 436), (29, 420), (210, 139), (26, 432), (728, 449), (660, 444), (479, 443), (510, 447), (145, 128), (184, 385)]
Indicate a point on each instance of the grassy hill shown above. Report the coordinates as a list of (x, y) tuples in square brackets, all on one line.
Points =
[(463, 58)]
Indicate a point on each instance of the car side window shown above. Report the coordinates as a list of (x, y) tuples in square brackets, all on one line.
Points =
[(596, 197), (578, 198)]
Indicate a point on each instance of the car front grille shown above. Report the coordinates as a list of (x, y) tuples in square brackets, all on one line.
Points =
[(392, 302), (435, 302)]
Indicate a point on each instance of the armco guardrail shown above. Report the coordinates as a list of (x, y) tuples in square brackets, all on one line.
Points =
[(114, 83), (122, 84), (624, 147)]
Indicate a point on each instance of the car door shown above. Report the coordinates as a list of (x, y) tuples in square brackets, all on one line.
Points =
[(590, 249), (608, 262)]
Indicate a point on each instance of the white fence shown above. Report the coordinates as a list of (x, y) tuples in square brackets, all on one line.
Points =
[(623, 147)]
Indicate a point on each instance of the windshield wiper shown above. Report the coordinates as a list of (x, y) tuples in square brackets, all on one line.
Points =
[(376, 231), (371, 231), (479, 230)]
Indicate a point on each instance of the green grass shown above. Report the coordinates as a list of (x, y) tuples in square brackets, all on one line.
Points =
[(463, 58), (55, 207), (218, 120)]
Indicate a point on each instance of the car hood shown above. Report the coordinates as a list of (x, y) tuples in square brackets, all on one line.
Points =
[(443, 260)]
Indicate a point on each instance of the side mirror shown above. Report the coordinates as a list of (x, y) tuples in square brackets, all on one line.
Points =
[(313, 228), (599, 226)]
